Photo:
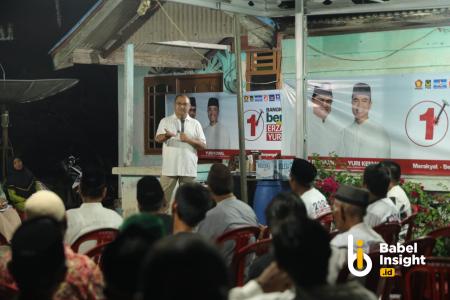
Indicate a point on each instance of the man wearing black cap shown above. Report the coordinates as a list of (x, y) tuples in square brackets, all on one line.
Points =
[(349, 209), (193, 108), (322, 126), (301, 181), (363, 138), (217, 136)]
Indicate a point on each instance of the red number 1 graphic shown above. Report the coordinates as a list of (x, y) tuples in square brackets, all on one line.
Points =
[(428, 117), (252, 122)]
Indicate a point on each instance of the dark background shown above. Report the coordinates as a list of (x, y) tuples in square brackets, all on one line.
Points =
[(82, 121)]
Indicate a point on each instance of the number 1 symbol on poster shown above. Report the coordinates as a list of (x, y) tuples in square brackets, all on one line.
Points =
[(255, 124), (423, 127)]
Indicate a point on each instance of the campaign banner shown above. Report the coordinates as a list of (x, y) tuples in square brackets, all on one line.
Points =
[(217, 113), (368, 119)]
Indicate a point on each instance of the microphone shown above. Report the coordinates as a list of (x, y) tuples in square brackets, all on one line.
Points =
[(182, 124)]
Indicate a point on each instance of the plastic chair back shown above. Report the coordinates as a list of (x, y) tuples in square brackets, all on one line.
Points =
[(96, 253), (440, 233), (239, 264), (435, 274), (326, 220), (99, 236), (409, 223), (389, 232)]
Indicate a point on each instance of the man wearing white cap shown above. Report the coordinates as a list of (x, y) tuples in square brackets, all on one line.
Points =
[(84, 279)]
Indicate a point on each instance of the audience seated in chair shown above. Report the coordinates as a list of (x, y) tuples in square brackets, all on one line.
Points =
[(38, 263), (84, 279), (229, 213), (349, 209), (192, 201), (396, 192), (282, 206), (20, 184), (150, 197), (381, 209), (303, 174), (91, 215), (184, 266), (300, 245), (123, 258)]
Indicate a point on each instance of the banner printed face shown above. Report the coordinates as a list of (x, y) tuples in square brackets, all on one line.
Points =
[(401, 117), (263, 119)]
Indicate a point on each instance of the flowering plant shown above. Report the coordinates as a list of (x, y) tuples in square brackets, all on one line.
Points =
[(433, 208)]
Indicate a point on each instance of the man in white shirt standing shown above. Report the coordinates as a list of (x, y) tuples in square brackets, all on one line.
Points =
[(217, 136), (91, 215), (181, 137), (322, 126), (381, 209), (363, 138), (301, 181), (395, 190)]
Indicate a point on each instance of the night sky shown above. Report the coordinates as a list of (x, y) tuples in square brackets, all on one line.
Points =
[(81, 121)]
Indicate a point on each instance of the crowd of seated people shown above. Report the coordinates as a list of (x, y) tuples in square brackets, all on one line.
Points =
[(152, 255)]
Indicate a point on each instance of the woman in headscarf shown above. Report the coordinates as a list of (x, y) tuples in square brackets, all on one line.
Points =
[(20, 184)]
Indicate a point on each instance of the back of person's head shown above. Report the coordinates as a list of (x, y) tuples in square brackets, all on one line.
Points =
[(394, 168), (302, 249), (184, 266), (123, 258), (220, 180), (377, 178), (192, 201), (149, 194), (38, 262), (303, 172), (45, 204), (284, 205), (93, 182)]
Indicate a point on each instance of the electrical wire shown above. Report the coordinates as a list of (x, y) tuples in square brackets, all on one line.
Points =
[(377, 58)]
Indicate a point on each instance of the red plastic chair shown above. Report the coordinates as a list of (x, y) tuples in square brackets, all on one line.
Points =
[(326, 220), (100, 236), (409, 221), (96, 253), (440, 233), (389, 232), (435, 274), (239, 264), (240, 236)]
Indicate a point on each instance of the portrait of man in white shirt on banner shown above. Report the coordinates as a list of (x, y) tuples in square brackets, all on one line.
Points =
[(322, 126), (217, 136), (363, 138)]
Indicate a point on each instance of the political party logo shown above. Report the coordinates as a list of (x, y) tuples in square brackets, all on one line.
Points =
[(266, 98), (359, 256), (271, 97), (440, 83), (419, 84), (258, 98), (278, 97), (428, 84), (251, 99), (246, 98)]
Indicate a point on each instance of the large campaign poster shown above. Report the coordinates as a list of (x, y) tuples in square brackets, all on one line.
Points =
[(368, 119), (217, 113)]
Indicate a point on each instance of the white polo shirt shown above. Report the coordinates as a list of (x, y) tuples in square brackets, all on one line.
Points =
[(180, 158), (316, 204), (381, 211)]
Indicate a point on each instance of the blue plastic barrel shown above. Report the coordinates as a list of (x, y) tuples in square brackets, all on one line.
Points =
[(265, 191)]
